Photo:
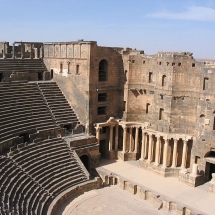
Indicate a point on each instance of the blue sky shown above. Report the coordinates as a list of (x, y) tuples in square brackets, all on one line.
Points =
[(155, 25)]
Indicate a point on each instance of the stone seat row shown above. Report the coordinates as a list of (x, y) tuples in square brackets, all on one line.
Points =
[(41, 158), (16, 98), (31, 146), (11, 123), (38, 145), (15, 133), (25, 100), (30, 192), (22, 115), (25, 126), (24, 91)]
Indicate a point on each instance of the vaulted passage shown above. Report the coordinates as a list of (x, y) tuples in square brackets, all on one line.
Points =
[(85, 161), (210, 165)]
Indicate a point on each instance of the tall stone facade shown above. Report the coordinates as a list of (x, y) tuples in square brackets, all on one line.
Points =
[(159, 109)]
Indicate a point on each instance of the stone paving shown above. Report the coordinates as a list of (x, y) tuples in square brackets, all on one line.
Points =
[(108, 201), (113, 200), (196, 198)]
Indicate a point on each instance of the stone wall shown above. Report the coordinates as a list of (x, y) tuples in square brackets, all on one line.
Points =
[(113, 86), (70, 66)]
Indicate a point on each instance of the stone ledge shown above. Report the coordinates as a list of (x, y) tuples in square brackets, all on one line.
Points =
[(73, 191), (158, 200)]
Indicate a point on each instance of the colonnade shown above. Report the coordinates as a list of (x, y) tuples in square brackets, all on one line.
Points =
[(148, 144), (110, 137), (150, 150)]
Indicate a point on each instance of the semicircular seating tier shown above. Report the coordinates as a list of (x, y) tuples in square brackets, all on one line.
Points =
[(33, 175), (22, 65), (22, 110)]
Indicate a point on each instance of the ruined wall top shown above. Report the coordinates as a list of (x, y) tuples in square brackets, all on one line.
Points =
[(175, 54)]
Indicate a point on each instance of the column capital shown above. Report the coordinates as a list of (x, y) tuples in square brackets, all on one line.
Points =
[(150, 134), (166, 140), (124, 128), (111, 126), (143, 130), (158, 136), (185, 141), (98, 128)]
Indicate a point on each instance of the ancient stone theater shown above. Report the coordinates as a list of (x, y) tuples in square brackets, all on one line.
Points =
[(66, 105)]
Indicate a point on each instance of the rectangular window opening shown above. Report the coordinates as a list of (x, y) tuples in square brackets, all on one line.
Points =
[(161, 114), (205, 83), (214, 124), (150, 77), (102, 97), (124, 104), (61, 67), (1, 77), (101, 110), (52, 73), (40, 76), (77, 70)]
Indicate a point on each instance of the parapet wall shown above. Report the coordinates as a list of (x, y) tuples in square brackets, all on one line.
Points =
[(74, 191), (158, 200)]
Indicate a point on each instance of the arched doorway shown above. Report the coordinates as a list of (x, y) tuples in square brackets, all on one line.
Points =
[(210, 165), (85, 161), (103, 69)]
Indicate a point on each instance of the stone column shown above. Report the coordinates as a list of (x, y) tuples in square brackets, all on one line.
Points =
[(195, 169), (116, 137), (13, 51), (146, 146), (111, 138), (150, 148), (31, 51), (136, 139), (143, 145), (22, 51), (165, 152), (130, 139), (98, 134), (4, 56), (157, 152), (124, 139), (174, 158), (184, 154)]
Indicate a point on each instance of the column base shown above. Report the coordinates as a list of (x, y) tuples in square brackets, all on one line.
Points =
[(159, 169), (128, 156), (111, 155), (190, 179)]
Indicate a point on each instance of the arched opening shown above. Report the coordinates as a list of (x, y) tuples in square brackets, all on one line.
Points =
[(147, 108), (40, 76), (163, 80), (210, 165), (1, 77), (68, 67), (61, 67), (202, 116), (103, 69), (85, 161), (52, 73)]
